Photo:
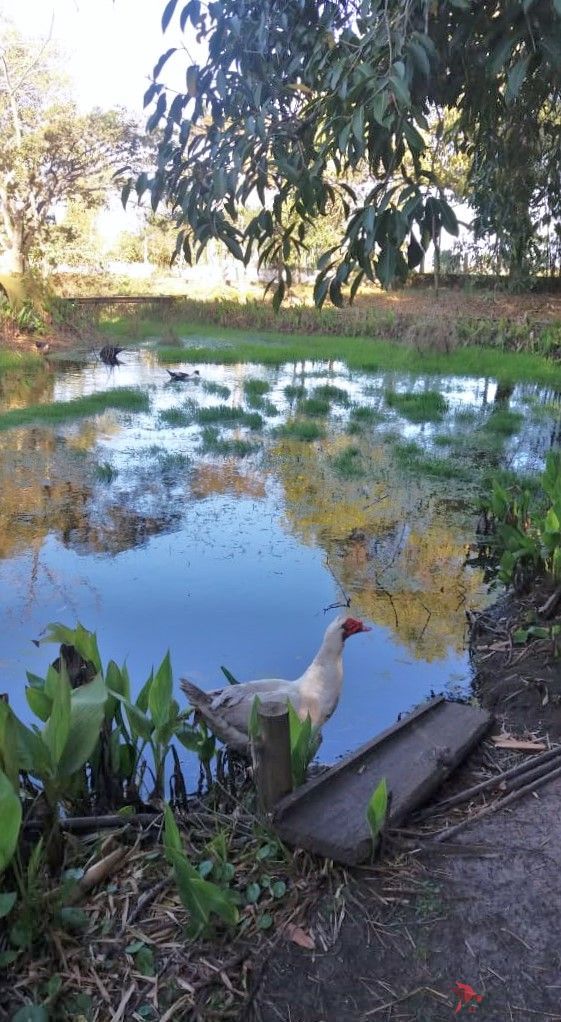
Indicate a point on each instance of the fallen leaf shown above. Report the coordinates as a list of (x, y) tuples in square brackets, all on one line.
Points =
[(299, 936)]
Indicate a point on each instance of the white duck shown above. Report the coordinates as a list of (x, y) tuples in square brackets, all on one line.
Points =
[(316, 691)]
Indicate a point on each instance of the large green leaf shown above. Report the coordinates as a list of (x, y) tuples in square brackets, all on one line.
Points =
[(139, 724), (86, 717), (10, 817), (84, 641), (160, 694), (57, 730), (39, 702)]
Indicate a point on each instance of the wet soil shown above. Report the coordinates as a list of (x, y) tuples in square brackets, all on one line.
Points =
[(519, 682), (485, 915)]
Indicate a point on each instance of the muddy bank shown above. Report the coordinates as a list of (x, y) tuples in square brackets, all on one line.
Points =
[(518, 675)]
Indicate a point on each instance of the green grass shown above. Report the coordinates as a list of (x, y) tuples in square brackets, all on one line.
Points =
[(213, 443), (301, 429), (366, 413), (229, 414), (349, 463), (504, 422), (19, 360), (105, 472), (216, 388), (411, 457), (314, 406), (176, 416), (171, 462), (328, 392), (255, 388), (294, 391), (365, 352), (262, 404), (124, 399), (425, 406)]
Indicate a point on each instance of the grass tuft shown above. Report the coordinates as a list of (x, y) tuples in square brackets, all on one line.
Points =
[(176, 417), (427, 406), (228, 413), (254, 387), (301, 429), (314, 406), (294, 391), (504, 422), (125, 399), (349, 463), (216, 388), (330, 393), (213, 443)]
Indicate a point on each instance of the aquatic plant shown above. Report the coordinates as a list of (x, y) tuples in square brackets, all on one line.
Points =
[(227, 414), (254, 387), (328, 392), (213, 443), (504, 422), (314, 406), (377, 811), (366, 414), (210, 387), (423, 406), (124, 399), (301, 429), (176, 416), (349, 463), (294, 391), (106, 472)]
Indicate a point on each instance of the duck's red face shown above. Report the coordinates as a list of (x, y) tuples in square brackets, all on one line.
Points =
[(352, 625)]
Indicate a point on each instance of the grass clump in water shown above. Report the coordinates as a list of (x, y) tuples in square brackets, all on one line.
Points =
[(263, 405), (349, 463), (125, 399), (105, 472), (330, 393), (175, 417), (213, 443), (255, 388), (427, 406), (314, 406), (228, 413), (412, 458), (301, 429), (504, 422), (366, 413), (216, 388), (294, 391)]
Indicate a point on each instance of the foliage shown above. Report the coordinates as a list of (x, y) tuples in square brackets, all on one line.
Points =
[(51, 153), (294, 98), (527, 533), (377, 810), (127, 398), (202, 898), (10, 814), (304, 743), (425, 406)]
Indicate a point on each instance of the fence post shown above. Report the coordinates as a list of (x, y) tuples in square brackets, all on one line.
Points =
[(271, 755)]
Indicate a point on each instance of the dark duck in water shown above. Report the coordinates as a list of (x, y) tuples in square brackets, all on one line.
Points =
[(180, 377), (109, 354)]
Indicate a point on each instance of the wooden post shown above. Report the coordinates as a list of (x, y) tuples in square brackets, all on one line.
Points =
[(271, 755)]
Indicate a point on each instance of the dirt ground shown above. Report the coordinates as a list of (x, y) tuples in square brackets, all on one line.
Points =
[(484, 912), (520, 683)]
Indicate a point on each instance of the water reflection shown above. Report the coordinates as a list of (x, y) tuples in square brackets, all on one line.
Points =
[(126, 523)]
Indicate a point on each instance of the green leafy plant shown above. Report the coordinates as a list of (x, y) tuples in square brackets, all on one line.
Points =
[(203, 899), (377, 810), (305, 740)]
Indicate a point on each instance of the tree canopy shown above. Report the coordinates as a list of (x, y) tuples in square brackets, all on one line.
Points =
[(296, 96), (50, 152)]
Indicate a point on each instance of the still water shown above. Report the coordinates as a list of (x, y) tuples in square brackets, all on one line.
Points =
[(147, 530)]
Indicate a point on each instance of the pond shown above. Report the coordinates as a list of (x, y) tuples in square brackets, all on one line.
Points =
[(225, 518)]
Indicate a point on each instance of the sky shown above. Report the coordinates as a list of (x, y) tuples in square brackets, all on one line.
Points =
[(111, 45)]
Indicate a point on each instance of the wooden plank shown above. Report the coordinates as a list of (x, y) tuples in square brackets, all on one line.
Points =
[(328, 815)]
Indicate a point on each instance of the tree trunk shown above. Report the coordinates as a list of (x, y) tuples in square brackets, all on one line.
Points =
[(16, 254)]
